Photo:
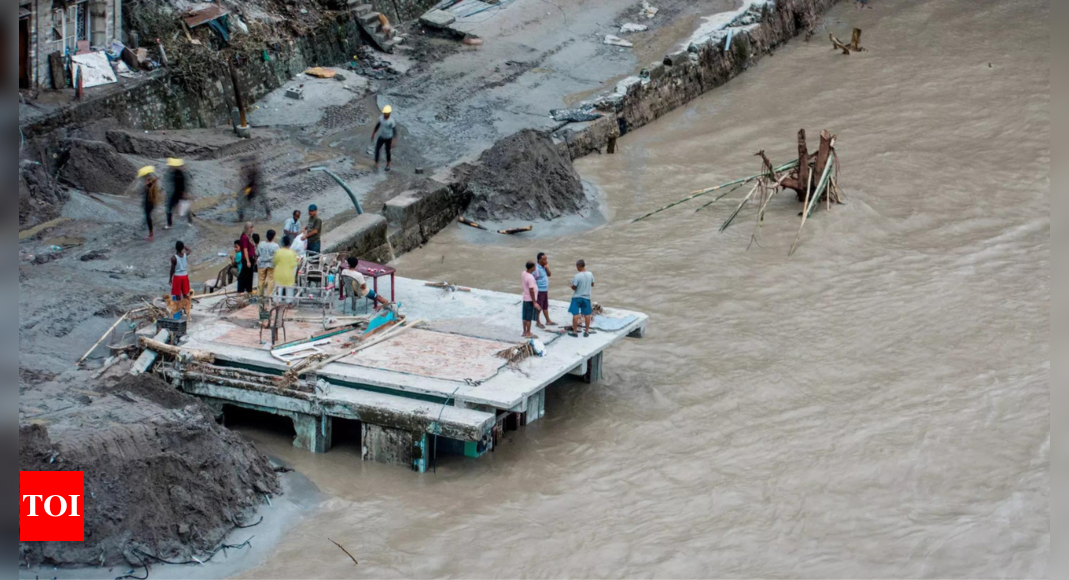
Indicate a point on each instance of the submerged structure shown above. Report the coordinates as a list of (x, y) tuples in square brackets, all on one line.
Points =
[(447, 378)]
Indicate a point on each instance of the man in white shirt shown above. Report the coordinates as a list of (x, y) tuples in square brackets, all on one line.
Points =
[(292, 227)]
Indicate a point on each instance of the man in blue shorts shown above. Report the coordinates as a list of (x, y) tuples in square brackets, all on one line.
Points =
[(582, 284)]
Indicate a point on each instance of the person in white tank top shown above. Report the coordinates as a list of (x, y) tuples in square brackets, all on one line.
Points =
[(180, 288)]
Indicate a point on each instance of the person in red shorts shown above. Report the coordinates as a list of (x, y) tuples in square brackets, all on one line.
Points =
[(180, 272)]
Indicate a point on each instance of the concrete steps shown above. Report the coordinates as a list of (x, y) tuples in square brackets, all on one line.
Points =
[(370, 23)]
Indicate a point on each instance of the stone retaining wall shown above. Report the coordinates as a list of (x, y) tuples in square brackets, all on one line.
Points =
[(661, 87), (685, 75)]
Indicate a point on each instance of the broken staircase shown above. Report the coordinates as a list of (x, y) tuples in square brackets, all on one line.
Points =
[(371, 24)]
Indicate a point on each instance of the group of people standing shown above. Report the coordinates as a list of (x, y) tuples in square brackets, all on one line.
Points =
[(259, 265), (177, 195), (535, 288), (273, 263)]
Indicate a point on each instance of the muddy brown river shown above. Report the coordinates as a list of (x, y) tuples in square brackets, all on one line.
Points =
[(876, 405)]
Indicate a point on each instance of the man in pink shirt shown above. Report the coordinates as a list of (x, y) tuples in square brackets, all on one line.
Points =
[(530, 299)]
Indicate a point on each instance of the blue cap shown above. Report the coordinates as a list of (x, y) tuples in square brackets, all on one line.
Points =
[(313, 207)]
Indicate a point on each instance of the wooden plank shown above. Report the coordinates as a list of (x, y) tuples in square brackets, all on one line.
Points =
[(148, 356)]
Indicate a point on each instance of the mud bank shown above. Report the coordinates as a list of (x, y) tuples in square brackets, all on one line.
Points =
[(162, 478)]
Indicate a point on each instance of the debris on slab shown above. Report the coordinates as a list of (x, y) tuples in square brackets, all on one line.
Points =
[(321, 72), (613, 40)]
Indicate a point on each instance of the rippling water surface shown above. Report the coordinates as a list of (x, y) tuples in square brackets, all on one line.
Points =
[(875, 406)]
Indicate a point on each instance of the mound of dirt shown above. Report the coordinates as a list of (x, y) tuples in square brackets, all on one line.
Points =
[(162, 478), (155, 145), (523, 176), (40, 197), (97, 167)]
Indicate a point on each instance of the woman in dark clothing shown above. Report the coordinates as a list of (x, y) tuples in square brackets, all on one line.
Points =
[(248, 258), (179, 189)]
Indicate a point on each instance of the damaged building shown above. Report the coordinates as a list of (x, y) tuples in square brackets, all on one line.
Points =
[(50, 30)]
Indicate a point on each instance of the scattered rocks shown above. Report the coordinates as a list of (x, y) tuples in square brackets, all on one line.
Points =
[(94, 255)]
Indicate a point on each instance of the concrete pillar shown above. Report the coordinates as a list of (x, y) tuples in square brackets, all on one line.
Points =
[(98, 19), (536, 406), (216, 405), (395, 447), (313, 432), (637, 333), (593, 369)]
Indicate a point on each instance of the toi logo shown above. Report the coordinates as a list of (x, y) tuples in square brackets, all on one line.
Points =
[(52, 506)]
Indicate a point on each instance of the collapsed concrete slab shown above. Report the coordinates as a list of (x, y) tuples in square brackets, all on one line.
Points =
[(437, 19), (440, 386)]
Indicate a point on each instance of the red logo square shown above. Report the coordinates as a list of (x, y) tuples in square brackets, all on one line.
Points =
[(52, 506)]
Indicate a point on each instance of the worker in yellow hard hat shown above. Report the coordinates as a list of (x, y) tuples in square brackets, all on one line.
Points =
[(150, 188), (386, 130), (179, 186)]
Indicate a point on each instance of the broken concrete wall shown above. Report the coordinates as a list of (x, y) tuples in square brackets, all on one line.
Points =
[(417, 214), (364, 236), (685, 75)]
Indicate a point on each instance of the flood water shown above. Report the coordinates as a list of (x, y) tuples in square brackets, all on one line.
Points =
[(876, 405)]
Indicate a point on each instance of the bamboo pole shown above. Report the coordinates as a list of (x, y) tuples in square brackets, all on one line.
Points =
[(811, 202), (761, 212), (739, 208), (719, 197), (701, 192), (822, 184), (104, 336), (468, 222)]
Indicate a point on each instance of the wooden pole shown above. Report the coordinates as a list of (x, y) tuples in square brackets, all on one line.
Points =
[(855, 41), (739, 208), (468, 222), (809, 206), (148, 356), (516, 230), (161, 347), (97, 343), (237, 92)]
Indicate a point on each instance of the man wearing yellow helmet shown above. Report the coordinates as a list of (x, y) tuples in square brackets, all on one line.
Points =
[(150, 187), (386, 129)]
